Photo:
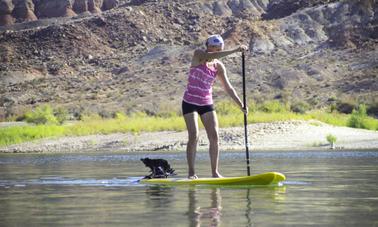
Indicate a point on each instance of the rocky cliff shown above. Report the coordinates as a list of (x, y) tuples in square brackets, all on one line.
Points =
[(135, 56), (16, 11)]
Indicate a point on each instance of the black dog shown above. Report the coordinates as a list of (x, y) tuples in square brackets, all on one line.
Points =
[(159, 168)]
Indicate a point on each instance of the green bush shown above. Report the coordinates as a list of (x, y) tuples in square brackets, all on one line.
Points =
[(90, 117), (105, 114), (230, 108), (332, 108), (167, 114), (252, 107), (372, 110), (331, 138), (41, 115), (273, 107), (227, 108), (358, 117), (120, 116), (167, 110), (346, 107), (299, 107), (61, 115)]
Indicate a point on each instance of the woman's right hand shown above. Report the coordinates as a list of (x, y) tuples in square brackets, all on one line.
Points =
[(242, 48)]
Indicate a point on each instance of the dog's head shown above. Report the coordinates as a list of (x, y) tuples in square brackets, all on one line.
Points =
[(147, 162)]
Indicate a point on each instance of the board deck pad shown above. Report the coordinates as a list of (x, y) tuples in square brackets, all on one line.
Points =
[(269, 178)]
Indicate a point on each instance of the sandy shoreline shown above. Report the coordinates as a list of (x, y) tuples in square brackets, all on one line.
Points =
[(287, 135)]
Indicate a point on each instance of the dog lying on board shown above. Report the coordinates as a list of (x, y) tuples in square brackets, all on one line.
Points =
[(159, 168)]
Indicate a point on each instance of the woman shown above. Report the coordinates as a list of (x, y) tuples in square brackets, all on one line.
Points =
[(205, 68)]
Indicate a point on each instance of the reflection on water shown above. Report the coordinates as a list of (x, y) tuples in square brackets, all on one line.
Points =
[(322, 188), (205, 208), (248, 211), (211, 215)]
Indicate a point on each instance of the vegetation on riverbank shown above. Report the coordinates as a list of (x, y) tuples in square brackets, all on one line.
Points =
[(50, 123)]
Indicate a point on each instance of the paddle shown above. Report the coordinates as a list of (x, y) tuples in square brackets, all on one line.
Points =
[(245, 116)]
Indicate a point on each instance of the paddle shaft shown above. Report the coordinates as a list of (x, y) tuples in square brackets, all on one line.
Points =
[(245, 116)]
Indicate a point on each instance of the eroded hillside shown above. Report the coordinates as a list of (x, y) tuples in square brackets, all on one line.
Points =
[(136, 56)]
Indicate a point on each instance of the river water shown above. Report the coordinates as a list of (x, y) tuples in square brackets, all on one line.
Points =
[(335, 188)]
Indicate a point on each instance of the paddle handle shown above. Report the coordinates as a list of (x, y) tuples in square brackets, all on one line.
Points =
[(245, 117)]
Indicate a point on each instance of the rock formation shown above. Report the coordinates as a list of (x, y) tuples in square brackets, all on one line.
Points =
[(54, 8), (109, 4), (320, 55), (94, 6), (12, 11), (6, 7), (80, 6), (282, 8), (24, 10)]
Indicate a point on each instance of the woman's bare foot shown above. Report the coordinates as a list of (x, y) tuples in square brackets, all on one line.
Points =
[(192, 177), (217, 175)]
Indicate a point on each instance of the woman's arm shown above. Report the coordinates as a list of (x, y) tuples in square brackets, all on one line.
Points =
[(214, 55), (201, 56), (228, 87)]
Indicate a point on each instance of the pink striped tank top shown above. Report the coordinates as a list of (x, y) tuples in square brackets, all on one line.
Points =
[(200, 85)]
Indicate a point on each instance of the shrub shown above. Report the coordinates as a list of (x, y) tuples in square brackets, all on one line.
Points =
[(373, 110), (41, 115), (166, 114), (299, 107), (346, 107), (273, 107), (358, 116), (331, 138), (230, 108), (61, 115), (252, 107), (227, 108), (105, 114), (332, 108), (167, 110), (90, 117), (120, 116)]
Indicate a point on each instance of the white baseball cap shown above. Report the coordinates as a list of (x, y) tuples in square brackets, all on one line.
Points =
[(215, 40)]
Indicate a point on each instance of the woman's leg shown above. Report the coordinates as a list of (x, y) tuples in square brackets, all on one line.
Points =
[(191, 120), (210, 121)]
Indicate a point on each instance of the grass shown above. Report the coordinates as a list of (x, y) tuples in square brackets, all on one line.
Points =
[(228, 114), (337, 119), (91, 125), (134, 124), (19, 134)]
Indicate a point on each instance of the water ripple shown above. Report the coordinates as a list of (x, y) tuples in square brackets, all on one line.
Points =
[(62, 181), (44, 159)]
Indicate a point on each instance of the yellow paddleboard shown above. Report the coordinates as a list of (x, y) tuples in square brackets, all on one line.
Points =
[(269, 178)]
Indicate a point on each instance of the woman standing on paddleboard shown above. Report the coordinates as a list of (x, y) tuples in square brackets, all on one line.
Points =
[(204, 69)]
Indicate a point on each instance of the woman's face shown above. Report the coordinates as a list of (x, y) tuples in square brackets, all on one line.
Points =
[(211, 48)]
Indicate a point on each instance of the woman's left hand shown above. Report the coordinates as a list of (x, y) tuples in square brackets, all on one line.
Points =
[(245, 110)]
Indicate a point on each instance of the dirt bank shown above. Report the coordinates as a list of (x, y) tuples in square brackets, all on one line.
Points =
[(288, 135)]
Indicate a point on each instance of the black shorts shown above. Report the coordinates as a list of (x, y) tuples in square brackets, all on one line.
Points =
[(189, 108)]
